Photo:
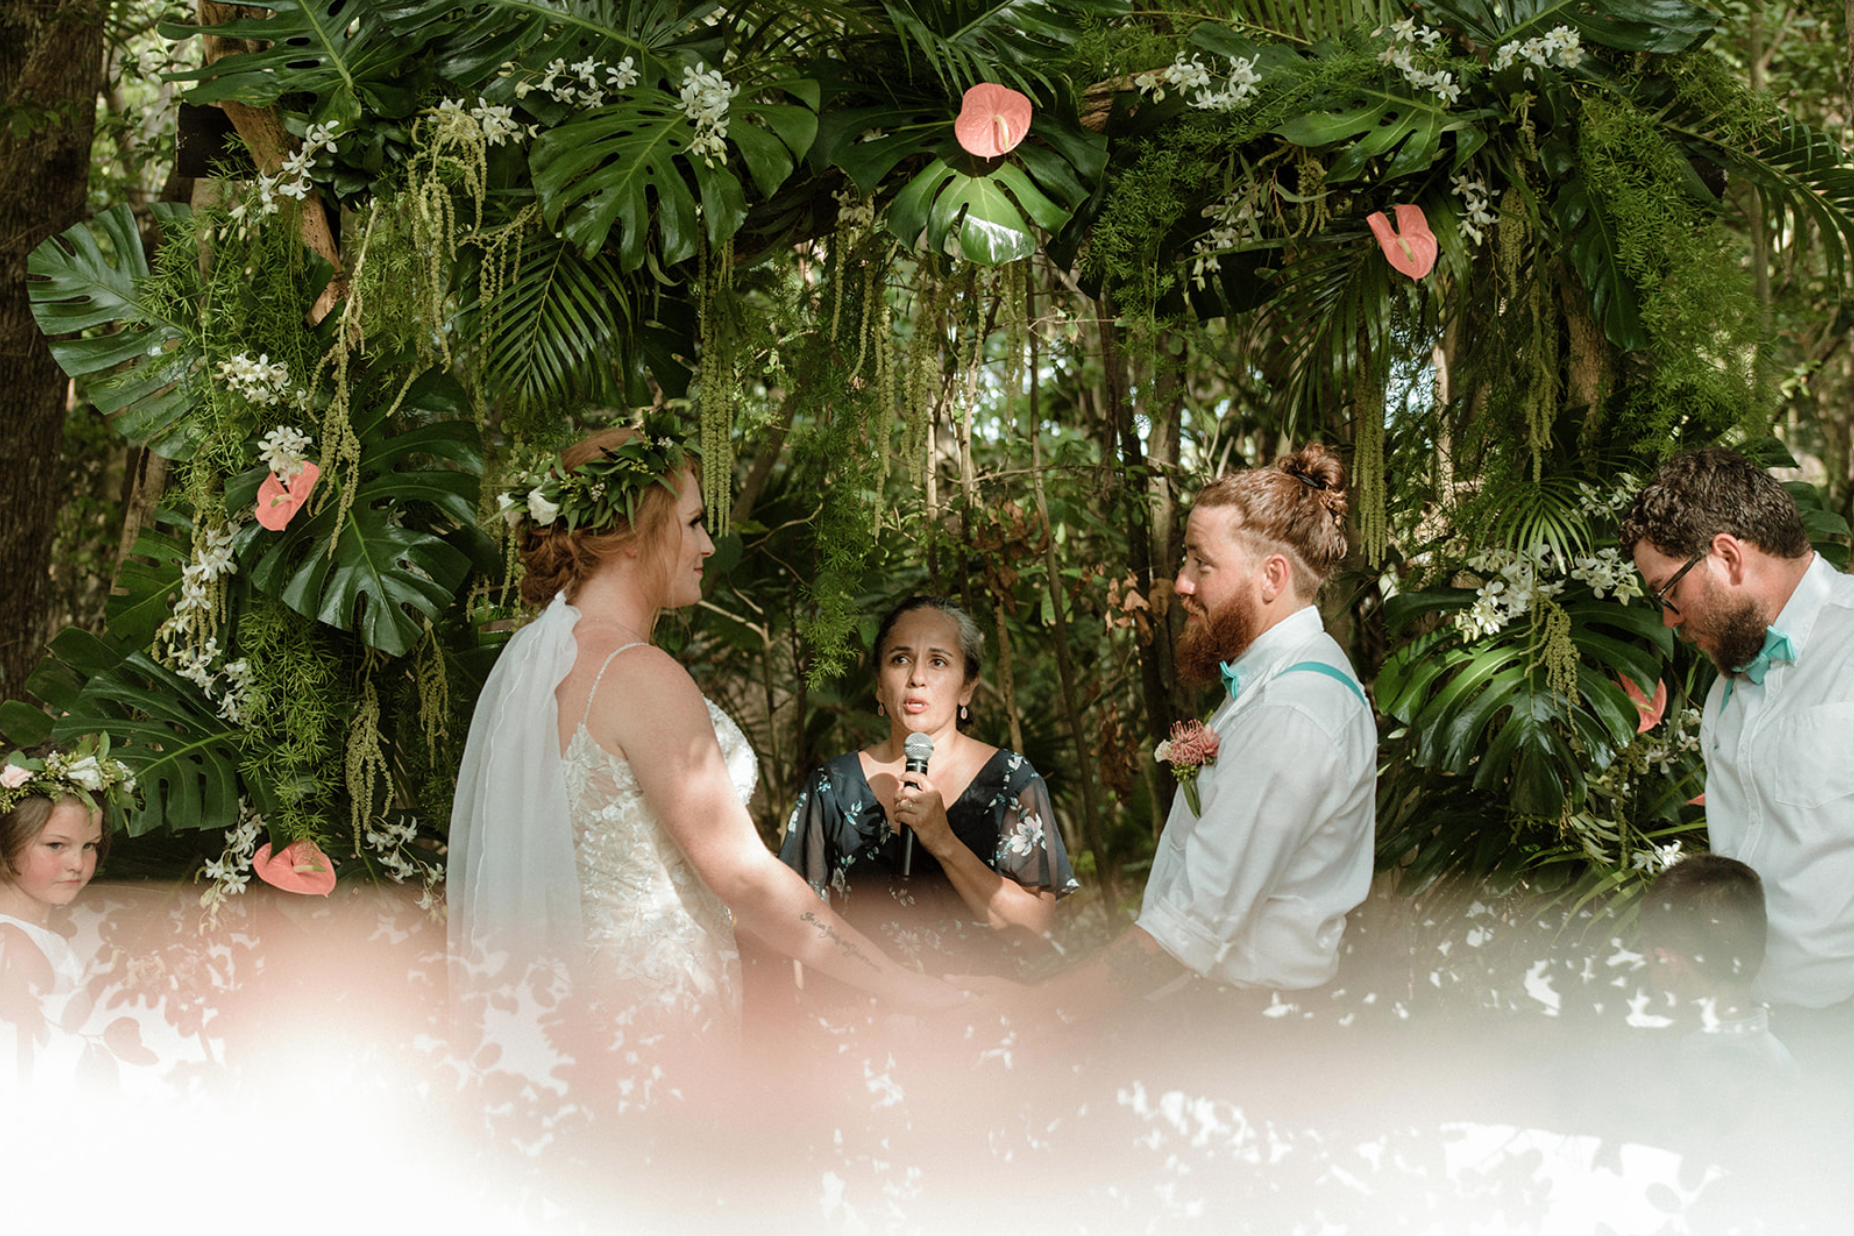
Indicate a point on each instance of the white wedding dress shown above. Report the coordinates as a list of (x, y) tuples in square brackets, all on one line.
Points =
[(573, 913), (660, 952)]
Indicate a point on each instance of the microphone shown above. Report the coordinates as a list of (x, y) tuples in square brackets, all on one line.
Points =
[(918, 749)]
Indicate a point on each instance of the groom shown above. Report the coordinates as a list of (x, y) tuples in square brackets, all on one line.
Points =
[(1252, 891)]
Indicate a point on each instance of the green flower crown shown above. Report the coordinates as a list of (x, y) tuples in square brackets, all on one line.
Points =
[(603, 488), (85, 772)]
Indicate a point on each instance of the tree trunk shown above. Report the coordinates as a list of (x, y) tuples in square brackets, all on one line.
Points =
[(1588, 377), (51, 58), (1065, 667), (1165, 413), (1118, 415)]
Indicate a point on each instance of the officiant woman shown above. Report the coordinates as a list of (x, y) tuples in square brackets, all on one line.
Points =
[(955, 869)]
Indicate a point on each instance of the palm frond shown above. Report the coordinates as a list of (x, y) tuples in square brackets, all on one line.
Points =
[(1527, 514), (1013, 42), (1801, 174), (1304, 21), (556, 330)]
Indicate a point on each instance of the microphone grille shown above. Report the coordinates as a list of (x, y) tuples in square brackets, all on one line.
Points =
[(918, 747)]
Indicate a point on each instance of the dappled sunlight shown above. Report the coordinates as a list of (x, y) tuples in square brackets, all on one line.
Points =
[(1474, 1070)]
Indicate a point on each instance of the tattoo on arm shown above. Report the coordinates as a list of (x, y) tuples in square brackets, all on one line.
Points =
[(844, 946)]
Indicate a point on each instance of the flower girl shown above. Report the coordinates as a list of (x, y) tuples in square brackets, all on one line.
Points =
[(52, 835)]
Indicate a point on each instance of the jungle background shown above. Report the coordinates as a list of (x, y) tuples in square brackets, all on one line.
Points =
[(434, 238)]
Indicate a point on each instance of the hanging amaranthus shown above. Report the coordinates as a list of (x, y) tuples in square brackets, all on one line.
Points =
[(923, 369), (1368, 468), (434, 692), (720, 344), (366, 755)]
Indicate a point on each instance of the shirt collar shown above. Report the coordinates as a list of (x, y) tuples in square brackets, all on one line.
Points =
[(1800, 612), (1259, 660)]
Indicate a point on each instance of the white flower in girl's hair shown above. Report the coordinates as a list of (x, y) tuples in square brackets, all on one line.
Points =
[(15, 776), (85, 772)]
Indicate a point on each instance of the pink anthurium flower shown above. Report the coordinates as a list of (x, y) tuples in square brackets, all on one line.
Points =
[(277, 502), (992, 120), (1411, 248), (1651, 710), (300, 867)]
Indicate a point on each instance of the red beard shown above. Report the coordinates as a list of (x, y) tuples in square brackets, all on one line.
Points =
[(1214, 638)]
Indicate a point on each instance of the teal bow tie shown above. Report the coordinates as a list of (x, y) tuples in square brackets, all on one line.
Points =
[(1231, 678), (1776, 648)]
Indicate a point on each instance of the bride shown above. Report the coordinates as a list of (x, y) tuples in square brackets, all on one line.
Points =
[(600, 843)]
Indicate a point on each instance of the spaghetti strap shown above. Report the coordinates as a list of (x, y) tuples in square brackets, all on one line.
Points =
[(601, 677)]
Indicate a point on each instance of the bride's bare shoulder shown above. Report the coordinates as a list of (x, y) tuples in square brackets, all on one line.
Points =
[(628, 676)]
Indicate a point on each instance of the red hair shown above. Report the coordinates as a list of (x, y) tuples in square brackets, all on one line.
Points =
[(560, 561), (1295, 506)]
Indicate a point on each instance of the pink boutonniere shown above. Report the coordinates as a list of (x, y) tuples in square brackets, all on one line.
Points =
[(1190, 747)]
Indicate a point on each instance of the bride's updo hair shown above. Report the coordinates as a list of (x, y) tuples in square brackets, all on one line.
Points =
[(559, 561), (1296, 506)]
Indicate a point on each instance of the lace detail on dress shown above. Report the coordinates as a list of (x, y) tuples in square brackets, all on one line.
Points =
[(661, 945)]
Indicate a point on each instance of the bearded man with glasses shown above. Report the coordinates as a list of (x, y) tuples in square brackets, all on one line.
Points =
[(1720, 545)]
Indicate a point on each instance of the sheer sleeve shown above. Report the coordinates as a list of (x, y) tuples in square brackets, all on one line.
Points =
[(807, 846), (1030, 849)]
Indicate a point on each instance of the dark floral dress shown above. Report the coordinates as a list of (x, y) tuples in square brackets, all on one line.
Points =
[(839, 839)]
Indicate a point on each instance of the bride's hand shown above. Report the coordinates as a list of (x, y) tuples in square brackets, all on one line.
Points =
[(930, 995)]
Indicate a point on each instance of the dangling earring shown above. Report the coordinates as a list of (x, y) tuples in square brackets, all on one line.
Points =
[(880, 711), (963, 714)]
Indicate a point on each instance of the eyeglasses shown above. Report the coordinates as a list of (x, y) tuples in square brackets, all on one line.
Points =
[(1660, 598)]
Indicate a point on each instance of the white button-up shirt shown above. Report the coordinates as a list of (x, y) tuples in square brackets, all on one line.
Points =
[(1255, 892), (1780, 790)]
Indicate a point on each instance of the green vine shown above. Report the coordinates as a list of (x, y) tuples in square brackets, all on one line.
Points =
[(722, 330)]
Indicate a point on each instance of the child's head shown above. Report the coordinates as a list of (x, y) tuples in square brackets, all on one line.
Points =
[(49, 850), (1704, 918), (52, 833)]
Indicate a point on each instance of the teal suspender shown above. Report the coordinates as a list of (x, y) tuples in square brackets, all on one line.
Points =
[(1320, 667)]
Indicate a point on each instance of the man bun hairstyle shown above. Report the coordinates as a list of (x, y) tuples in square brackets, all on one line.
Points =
[(1698, 495), (560, 561), (1296, 505)]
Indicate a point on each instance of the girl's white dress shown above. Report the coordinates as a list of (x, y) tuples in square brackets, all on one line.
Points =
[(37, 1040)]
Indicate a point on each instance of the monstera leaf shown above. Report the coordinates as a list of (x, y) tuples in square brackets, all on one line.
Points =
[(627, 165), (87, 278), (986, 214), (867, 143), (1664, 26), (346, 56), (185, 757), (383, 566), (1377, 122), (148, 580), (1597, 253)]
